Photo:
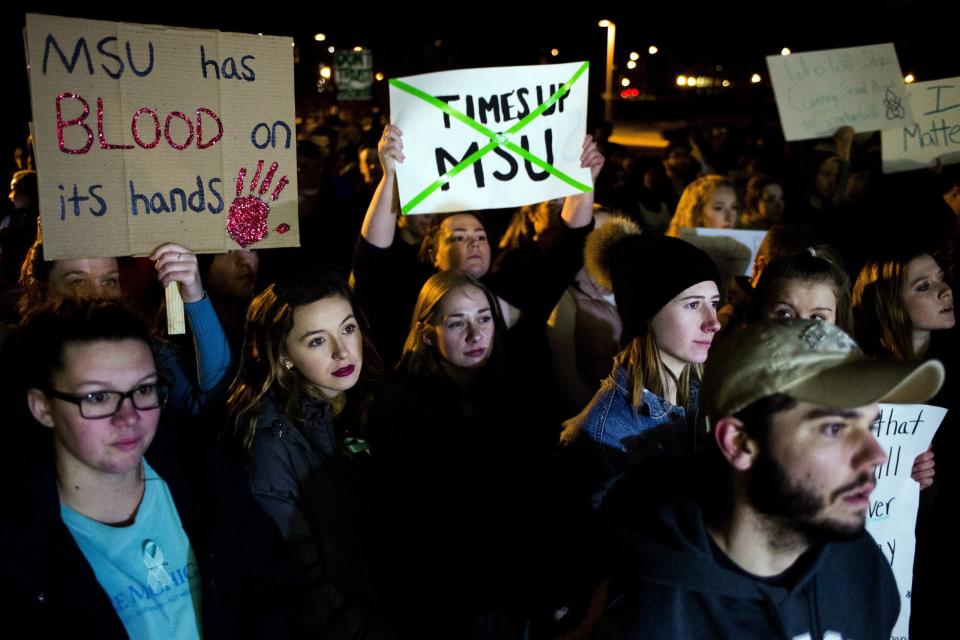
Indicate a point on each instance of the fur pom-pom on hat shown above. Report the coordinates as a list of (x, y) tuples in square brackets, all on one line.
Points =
[(596, 251)]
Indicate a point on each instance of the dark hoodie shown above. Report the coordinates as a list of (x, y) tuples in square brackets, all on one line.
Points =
[(670, 581)]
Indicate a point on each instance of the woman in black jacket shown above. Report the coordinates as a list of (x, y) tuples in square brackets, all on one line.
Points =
[(114, 530), (306, 363)]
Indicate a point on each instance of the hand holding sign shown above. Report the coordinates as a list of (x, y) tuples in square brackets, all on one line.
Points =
[(591, 158), (175, 263), (390, 149), (923, 469)]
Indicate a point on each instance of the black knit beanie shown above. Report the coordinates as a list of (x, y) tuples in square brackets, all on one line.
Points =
[(647, 272)]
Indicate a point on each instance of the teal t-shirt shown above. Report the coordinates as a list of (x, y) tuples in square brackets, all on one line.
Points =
[(147, 568)]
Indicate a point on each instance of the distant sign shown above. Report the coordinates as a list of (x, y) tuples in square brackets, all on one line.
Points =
[(354, 74), (491, 138), (934, 135), (904, 431), (820, 91), (147, 134), (732, 250)]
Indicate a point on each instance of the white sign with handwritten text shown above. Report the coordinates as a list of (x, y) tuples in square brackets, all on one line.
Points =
[(820, 91), (935, 134), (904, 431)]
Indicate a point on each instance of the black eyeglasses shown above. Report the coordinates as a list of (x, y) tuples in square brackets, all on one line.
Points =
[(103, 404)]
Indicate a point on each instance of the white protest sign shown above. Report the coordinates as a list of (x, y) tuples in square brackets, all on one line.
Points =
[(820, 91), (147, 134), (935, 134), (491, 138), (732, 250), (904, 431)]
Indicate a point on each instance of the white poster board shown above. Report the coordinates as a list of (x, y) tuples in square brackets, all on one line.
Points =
[(491, 138), (820, 91), (904, 431), (732, 250), (935, 134)]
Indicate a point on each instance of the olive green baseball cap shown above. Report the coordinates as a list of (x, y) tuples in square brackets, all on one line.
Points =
[(811, 361)]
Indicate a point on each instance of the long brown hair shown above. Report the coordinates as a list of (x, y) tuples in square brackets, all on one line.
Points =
[(419, 357), (645, 370), (883, 327), (269, 321)]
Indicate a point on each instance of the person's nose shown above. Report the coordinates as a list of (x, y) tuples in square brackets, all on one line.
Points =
[(127, 414)]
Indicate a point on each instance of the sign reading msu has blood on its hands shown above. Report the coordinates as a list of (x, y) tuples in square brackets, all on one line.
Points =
[(147, 134)]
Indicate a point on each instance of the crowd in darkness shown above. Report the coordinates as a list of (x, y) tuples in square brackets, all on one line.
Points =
[(467, 425)]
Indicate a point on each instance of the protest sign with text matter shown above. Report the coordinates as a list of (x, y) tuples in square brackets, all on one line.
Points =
[(934, 136), (491, 138), (147, 134)]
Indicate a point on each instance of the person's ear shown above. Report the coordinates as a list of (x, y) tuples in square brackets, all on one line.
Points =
[(285, 363), (39, 406), (739, 449), (426, 335)]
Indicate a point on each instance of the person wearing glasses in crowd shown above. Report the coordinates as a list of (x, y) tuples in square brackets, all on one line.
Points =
[(102, 536)]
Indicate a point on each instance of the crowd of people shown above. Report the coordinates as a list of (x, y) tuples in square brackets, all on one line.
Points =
[(399, 431)]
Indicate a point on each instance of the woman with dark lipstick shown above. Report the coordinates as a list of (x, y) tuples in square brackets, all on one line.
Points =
[(304, 371)]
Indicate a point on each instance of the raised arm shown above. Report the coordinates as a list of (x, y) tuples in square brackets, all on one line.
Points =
[(380, 222), (175, 263), (578, 209)]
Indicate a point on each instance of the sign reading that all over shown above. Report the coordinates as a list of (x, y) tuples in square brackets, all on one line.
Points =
[(491, 138), (904, 431), (820, 91), (354, 74), (147, 134), (935, 134)]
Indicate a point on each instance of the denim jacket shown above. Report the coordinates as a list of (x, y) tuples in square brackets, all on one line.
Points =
[(624, 436)]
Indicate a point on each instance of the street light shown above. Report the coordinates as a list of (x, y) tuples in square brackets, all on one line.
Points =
[(608, 92)]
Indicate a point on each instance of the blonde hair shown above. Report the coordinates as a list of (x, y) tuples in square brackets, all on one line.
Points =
[(693, 200), (645, 370)]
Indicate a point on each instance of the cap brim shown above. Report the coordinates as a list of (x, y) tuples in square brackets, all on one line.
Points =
[(862, 382)]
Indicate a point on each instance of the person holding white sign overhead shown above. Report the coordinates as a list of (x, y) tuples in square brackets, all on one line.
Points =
[(459, 241)]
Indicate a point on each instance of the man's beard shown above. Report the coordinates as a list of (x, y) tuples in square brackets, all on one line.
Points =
[(796, 507)]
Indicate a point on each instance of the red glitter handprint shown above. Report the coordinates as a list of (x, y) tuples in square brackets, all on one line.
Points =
[(247, 221)]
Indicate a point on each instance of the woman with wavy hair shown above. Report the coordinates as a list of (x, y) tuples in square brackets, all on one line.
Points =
[(293, 406), (709, 201)]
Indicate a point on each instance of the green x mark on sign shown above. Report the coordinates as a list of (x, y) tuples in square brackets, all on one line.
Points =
[(496, 139)]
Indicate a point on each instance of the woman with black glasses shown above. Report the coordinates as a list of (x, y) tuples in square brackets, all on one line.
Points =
[(105, 537)]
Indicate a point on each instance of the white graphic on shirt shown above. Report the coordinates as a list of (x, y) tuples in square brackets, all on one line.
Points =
[(157, 576)]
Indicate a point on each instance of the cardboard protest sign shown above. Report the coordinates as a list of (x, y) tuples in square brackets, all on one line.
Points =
[(146, 134), (820, 91), (904, 431), (354, 74), (491, 138), (732, 250), (935, 134)]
